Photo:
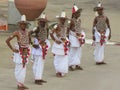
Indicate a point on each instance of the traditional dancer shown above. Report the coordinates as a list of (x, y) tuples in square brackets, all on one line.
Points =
[(21, 52), (40, 47), (60, 46), (101, 33), (77, 39)]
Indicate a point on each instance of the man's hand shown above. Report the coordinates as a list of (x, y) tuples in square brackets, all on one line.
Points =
[(93, 38), (36, 46), (78, 34), (109, 37), (15, 50), (58, 42)]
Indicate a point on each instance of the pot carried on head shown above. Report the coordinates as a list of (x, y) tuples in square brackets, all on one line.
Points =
[(31, 8)]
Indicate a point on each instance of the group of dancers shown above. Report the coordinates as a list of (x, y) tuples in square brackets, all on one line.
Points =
[(68, 39)]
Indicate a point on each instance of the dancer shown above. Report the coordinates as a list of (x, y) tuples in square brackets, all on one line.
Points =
[(101, 33), (77, 39), (40, 47), (60, 46), (21, 51)]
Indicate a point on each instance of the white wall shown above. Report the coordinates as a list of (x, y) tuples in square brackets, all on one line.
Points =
[(13, 13)]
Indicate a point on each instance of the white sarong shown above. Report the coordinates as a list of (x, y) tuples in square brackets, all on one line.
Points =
[(98, 35), (38, 61), (99, 52), (61, 63), (58, 49), (60, 58), (74, 42), (20, 73), (99, 49), (75, 53), (38, 67), (75, 56)]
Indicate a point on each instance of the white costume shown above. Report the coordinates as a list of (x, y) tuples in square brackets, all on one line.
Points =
[(38, 61), (101, 34), (60, 59), (99, 47), (77, 39), (75, 49), (60, 51), (21, 57), (20, 70)]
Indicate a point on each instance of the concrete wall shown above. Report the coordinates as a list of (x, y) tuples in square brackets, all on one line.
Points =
[(14, 16), (13, 13)]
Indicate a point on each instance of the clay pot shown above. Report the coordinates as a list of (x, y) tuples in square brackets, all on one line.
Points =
[(31, 8)]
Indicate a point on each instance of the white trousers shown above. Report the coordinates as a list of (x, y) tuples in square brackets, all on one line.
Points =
[(20, 73), (75, 56), (38, 67), (61, 63), (99, 52)]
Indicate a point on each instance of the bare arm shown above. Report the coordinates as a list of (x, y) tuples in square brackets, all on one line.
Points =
[(30, 36), (72, 24), (93, 30), (68, 30), (108, 25), (51, 35), (9, 39), (53, 38), (47, 31), (94, 24)]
